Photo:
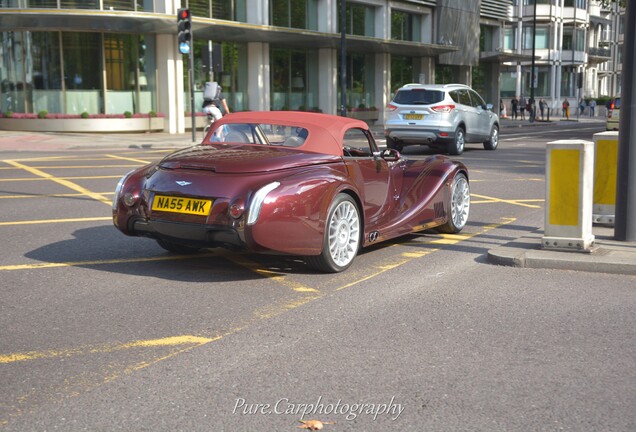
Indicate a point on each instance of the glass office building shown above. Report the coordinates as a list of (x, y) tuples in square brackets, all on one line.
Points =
[(116, 56)]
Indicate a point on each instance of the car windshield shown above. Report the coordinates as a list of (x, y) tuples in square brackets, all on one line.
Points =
[(251, 133), (617, 103), (418, 97)]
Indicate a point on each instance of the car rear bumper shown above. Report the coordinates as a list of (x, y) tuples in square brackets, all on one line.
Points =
[(188, 233), (421, 136)]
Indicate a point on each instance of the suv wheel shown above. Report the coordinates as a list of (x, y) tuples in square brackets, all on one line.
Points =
[(457, 146), (492, 143), (392, 144)]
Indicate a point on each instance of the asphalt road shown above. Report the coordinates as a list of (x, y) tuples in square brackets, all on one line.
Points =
[(102, 332)]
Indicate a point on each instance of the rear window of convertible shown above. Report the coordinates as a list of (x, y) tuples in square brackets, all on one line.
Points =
[(260, 133)]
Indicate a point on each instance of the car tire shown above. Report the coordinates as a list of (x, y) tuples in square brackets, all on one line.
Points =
[(177, 248), (458, 205), (493, 142), (393, 144), (341, 239), (457, 146)]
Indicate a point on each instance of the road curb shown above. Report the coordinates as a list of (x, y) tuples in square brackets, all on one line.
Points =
[(526, 252)]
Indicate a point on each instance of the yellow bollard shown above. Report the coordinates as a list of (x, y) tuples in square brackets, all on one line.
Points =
[(568, 210), (605, 166)]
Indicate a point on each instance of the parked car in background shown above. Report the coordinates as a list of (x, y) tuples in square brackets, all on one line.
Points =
[(443, 116), (613, 113), (294, 183)]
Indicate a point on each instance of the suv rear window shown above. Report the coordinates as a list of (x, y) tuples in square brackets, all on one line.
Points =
[(418, 97)]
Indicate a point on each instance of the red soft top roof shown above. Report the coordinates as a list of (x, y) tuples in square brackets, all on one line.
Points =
[(326, 131)]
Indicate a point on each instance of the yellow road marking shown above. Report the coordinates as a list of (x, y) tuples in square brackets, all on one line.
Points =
[(46, 221), (73, 167), (22, 179), (168, 341), (499, 200), (59, 195), (445, 239), (63, 182), (194, 341), (128, 159), (277, 277), (101, 262)]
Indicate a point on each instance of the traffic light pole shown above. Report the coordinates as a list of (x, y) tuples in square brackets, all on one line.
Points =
[(625, 224), (191, 64), (184, 36)]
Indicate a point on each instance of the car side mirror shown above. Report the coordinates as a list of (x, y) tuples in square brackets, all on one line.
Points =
[(389, 155), (488, 107)]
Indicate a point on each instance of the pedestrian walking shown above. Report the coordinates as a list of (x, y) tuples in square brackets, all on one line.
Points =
[(514, 105), (566, 109), (542, 105), (522, 107), (592, 108), (582, 105)]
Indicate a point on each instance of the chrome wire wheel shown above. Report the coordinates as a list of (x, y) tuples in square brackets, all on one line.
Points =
[(460, 202), (343, 236)]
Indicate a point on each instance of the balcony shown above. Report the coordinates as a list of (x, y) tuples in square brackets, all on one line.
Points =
[(599, 55)]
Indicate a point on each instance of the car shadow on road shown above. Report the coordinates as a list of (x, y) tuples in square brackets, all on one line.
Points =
[(104, 248)]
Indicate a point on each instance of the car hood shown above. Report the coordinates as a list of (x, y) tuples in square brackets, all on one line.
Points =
[(223, 158)]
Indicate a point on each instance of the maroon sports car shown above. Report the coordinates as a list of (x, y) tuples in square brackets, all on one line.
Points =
[(295, 183)]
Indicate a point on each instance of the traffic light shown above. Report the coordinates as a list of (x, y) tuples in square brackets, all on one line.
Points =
[(184, 26)]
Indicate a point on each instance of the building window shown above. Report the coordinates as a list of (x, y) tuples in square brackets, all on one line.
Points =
[(573, 39), (360, 81), (580, 4), (406, 26), (82, 63), (542, 84), (360, 19), (61, 72), (294, 79), (541, 38), (229, 10), (129, 73), (229, 70), (123, 5), (300, 14), (402, 72), (510, 37), (79, 4)]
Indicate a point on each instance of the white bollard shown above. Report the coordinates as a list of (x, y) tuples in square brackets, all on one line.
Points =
[(569, 191), (605, 167)]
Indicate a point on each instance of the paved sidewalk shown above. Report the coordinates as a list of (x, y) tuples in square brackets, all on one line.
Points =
[(608, 255), (48, 141)]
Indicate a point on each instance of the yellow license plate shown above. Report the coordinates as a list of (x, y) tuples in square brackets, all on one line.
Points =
[(413, 116), (182, 205)]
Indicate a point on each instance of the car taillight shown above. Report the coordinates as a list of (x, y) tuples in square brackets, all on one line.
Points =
[(391, 107), (443, 108)]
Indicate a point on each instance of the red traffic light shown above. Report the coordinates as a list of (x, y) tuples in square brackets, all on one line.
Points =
[(183, 14)]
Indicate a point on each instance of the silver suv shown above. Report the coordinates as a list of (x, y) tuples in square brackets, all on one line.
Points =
[(444, 116)]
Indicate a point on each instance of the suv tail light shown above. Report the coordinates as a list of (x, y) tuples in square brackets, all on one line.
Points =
[(443, 108), (391, 107)]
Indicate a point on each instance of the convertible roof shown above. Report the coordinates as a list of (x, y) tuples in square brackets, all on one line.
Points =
[(326, 131)]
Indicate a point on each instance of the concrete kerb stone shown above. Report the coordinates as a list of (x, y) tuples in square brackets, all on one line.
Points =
[(609, 256)]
